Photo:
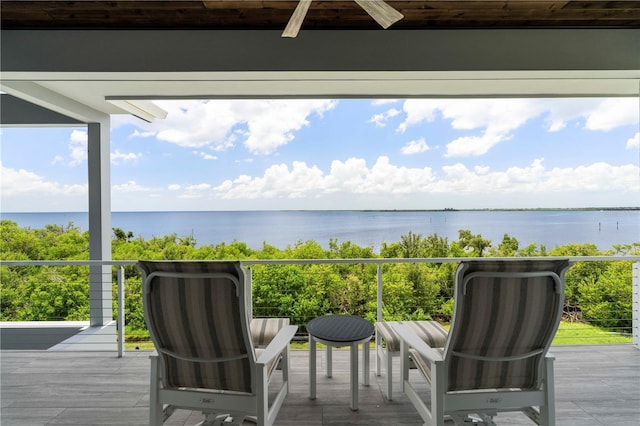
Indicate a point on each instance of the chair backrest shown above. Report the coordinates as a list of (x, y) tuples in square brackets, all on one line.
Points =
[(196, 316), (506, 314)]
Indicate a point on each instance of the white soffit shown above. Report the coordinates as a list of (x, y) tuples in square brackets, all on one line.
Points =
[(145, 110), (120, 93)]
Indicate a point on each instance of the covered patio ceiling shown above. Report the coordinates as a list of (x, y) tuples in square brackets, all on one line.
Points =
[(99, 53), (322, 14), (110, 56)]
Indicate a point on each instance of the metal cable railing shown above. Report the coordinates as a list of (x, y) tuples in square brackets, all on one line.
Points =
[(380, 288)]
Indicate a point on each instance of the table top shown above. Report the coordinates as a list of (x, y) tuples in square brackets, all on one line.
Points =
[(340, 328)]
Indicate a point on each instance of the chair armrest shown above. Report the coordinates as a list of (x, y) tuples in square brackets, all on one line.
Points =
[(408, 336), (278, 344)]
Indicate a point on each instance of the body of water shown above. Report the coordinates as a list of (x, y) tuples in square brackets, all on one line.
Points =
[(550, 228)]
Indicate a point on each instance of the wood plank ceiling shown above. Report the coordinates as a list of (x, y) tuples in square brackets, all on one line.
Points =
[(338, 14)]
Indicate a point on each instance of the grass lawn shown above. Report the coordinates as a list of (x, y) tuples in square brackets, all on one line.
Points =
[(577, 333), (569, 333)]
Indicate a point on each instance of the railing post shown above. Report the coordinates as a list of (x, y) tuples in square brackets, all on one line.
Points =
[(249, 292), (120, 311), (635, 307), (379, 316), (379, 312)]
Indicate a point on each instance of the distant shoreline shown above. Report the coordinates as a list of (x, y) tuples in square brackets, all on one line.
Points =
[(445, 210), (502, 209), (549, 227)]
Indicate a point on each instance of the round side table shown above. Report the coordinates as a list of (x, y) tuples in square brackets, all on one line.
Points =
[(336, 331)]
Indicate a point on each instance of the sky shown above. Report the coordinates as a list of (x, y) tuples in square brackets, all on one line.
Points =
[(340, 154)]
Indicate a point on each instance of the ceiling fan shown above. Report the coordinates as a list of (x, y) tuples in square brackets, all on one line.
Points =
[(384, 15)]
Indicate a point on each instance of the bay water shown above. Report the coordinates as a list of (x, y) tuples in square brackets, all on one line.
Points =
[(550, 228)]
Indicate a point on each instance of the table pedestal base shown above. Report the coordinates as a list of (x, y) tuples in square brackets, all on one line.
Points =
[(354, 365)]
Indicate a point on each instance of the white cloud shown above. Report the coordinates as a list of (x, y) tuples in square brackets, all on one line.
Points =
[(78, 147), (351, 176), (562, 111), (380, 120), (354, 178), (634, 142), (473, 145), (272, 124), (198, 187), (593, 113), (138, 134), (205, 156), (23, 181), (193, 191), (278, 181), (378, 102), (130, 186), (263, 125), (612, 113), (19, 188), (415, 147), (78, 151), (174, 187), (497, 119), (387, 178), (536, 180), (117, 156)]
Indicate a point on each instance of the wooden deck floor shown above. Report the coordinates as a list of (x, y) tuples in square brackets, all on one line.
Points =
[(595, 385)]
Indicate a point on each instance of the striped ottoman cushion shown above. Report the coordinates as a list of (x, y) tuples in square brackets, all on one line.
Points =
[(263, 330), (430, 332)]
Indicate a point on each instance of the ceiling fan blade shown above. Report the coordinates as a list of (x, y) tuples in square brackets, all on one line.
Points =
[(384, 14), (295, 22)]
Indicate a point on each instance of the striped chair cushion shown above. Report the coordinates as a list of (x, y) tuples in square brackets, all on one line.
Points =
[(199, 318), (502, 317), (263, 330), (431, 332), (422, 363)]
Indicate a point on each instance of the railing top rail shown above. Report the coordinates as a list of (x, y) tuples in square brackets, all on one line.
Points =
[(374, 261), (68, 262), (380, 260)]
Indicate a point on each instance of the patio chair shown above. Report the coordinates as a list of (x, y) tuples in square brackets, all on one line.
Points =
[(388, 344), (495, 359), (206, 359)]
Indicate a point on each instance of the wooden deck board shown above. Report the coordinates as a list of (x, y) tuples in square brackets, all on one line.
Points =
[(595, 385)]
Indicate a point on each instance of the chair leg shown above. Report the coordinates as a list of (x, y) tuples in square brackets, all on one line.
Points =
[(389, 376), (383, 356), (437, 393), (286, 364), (155, 406), (262, 397), (378, 348), (548, 411)]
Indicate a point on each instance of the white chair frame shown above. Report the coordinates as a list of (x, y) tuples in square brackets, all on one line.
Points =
[(239, 405), (485, 402)]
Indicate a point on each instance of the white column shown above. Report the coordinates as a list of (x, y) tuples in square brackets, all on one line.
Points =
[(100, 295)]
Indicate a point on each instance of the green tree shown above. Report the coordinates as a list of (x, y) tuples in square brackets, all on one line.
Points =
[(348, 250), (508, 247), (411, 245), (390, 251), (475, 243), (435, 246), (532, 250), (606, 300)]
